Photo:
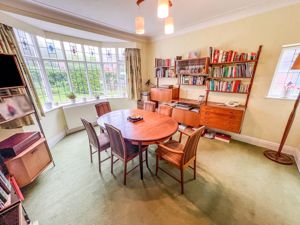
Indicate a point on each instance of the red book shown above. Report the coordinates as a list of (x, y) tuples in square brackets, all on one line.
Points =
[(216, 56), (229, 56)]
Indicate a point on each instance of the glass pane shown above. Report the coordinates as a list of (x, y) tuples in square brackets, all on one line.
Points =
[(78, 79), (95, 79), (73, 51), (121, 54), (111, 81), (50, 49), (35, 72), (122, 80), (109, 55), (58, 79), (25, 42), (91, 53)]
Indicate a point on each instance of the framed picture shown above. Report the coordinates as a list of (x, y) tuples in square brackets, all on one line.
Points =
[(14, 107)]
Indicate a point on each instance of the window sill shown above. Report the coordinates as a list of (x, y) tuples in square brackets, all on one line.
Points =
[(80, 103), (281, 98)]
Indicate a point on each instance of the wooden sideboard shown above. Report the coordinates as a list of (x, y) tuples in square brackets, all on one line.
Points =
[(164, 94), (26, 166), (222, 117)]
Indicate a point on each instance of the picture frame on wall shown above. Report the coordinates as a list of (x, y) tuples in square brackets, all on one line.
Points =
[(14, 107)]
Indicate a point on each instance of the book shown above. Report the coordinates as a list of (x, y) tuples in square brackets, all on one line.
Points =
[(223, 137), (4, 183), (3, 195)]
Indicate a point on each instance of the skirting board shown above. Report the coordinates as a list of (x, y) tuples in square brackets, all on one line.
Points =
[(269, 145), (55, 139), (74, 130)]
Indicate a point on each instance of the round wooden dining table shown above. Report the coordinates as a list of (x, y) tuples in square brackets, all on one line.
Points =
[(153, 128)]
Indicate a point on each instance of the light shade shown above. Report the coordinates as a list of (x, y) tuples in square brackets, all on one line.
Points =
[(163, 9), (169, 25), (296, 65), (139, 25)]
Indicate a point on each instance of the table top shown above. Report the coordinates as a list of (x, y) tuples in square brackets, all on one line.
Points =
[(153, 127)]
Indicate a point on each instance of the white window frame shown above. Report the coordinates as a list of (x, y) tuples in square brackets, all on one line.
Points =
[(293, 97), (44, 76)]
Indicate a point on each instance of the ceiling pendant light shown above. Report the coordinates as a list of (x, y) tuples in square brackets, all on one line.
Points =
[(163, 9), (169, 25), (139, 25)]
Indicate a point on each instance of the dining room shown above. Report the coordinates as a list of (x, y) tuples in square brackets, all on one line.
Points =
[(149, 112)]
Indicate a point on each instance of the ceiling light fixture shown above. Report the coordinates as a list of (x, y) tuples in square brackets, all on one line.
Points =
[(139, 25), (169, 25), (162, 12)]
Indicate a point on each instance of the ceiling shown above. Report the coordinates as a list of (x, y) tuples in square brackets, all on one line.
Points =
[(188, 14)]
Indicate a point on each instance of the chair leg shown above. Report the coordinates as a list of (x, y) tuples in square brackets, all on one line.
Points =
[(181, 180), (91, 154), (99, 160), (147, 159), (156, 167), (112, 163), (195, 169), (125, 172)]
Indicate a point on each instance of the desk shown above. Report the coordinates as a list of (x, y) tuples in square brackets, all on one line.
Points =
[(152, 128)]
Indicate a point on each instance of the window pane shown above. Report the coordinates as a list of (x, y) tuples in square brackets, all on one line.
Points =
[(50, 49), (111, 81), (121, 54), (109, 55), (95, 79), (25, 42), (285, 83), (73, 51), (91, 53), (122, 80), (78, 79), (35, 72), (58, 79)]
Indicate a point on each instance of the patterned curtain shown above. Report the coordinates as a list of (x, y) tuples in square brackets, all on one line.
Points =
[(8, 45), (133, 72)]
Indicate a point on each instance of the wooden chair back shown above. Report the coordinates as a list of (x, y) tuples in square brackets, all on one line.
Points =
[(165, 110), (117, 143), (102, 108), (190, 148), (92, 135), (149, 106)]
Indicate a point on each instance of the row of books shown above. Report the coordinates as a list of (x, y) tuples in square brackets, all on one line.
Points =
[(239, 70), (163, 62), (5, 188), (192, 80), (164, 72), (227, 86), (199, 69), (220, 56)]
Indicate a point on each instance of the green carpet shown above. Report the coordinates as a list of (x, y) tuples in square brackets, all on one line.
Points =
[(235, 185)]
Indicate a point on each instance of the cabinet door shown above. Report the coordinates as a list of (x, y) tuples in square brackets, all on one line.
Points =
[(186, 117)]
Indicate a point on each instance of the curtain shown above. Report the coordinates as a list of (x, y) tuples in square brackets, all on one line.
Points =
[(8, 45), (133, 72)]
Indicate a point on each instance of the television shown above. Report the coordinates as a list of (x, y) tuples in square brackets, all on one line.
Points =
[(10, 75)]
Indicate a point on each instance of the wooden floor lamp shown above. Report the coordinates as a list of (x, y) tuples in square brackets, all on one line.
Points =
[(278, 156)]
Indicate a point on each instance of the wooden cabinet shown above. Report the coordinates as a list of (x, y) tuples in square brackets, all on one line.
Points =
[(186, 117), (26, 166), (222, 117), (164, 94)]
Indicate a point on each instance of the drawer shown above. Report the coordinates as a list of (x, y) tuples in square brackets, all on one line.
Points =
[(186, 117), (35, 160), (221, 117), (219, 110)]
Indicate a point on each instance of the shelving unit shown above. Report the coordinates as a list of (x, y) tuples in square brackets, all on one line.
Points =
[(164, 68), (250, 63)]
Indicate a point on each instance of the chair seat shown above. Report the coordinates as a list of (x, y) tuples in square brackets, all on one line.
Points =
[(171, 157), (104, 141)]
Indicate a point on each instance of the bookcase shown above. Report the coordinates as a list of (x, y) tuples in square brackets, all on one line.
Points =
[(192, 71), (225, 72)]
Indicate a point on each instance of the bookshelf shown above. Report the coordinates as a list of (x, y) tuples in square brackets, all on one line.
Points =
[(193, 72), (164, 68), (232, 72)]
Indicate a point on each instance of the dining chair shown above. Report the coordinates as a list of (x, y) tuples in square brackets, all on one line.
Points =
[(165, 110), (149, 106), (98, 142), (180, 155), (123, 150), (102, 108)]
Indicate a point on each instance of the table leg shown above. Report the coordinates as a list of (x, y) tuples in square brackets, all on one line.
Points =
[(141, 159)]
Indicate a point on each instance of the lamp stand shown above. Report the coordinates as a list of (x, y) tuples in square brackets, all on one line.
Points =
[(279, 157)]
